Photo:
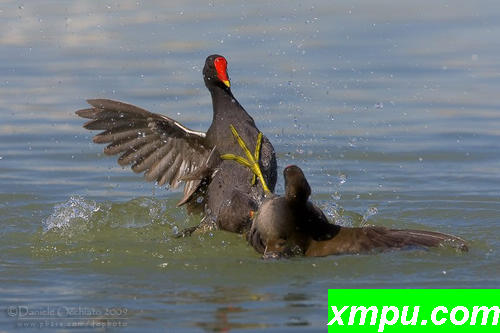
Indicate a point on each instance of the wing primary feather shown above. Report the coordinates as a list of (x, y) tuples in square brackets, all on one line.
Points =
[(155, 144), (151, 159), (117, 135), (180, 172), (111, 123), (118, 106), (138, 154), (167, 175), (161, 165), (120, 146)]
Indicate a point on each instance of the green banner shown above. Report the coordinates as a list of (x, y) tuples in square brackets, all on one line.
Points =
[(413, 310)]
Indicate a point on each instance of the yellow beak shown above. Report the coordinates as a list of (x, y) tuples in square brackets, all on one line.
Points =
[(226, 82)]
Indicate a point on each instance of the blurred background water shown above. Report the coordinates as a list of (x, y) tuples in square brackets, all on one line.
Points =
[(391, 108)]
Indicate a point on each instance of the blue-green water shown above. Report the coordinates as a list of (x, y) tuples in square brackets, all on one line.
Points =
[(391, 109)]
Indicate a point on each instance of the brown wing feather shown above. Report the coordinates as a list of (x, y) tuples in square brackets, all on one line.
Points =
[(366, 239), (154, 144)]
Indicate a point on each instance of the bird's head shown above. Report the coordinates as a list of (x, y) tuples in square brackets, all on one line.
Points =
[(215, 72)]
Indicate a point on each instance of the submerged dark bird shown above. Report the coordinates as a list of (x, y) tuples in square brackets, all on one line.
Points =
[(217, 180), (292, 225)]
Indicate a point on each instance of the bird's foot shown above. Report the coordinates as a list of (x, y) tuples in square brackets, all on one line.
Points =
[(272, 255), (186, 232), (276, 249), (252, 160), (204, 226)]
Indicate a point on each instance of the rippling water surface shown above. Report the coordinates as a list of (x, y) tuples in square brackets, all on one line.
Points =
[(391, 109)]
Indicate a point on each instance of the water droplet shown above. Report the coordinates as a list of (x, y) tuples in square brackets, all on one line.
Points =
[(335, 196), (371, 211)]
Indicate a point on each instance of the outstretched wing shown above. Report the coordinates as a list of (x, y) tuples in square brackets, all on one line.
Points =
[(154, 144)]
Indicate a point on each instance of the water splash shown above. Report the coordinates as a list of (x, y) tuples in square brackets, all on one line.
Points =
[(341, 180), (79, 214), (336, 214), (67, 213), (369, 212)]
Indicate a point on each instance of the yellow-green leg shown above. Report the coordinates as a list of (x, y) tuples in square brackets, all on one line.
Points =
[(252, 160)]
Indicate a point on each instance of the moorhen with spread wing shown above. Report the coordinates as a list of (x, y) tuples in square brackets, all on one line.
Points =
[(168, 152), (292, 225)]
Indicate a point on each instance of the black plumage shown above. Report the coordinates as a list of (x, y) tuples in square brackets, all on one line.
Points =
[(170, 153)]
